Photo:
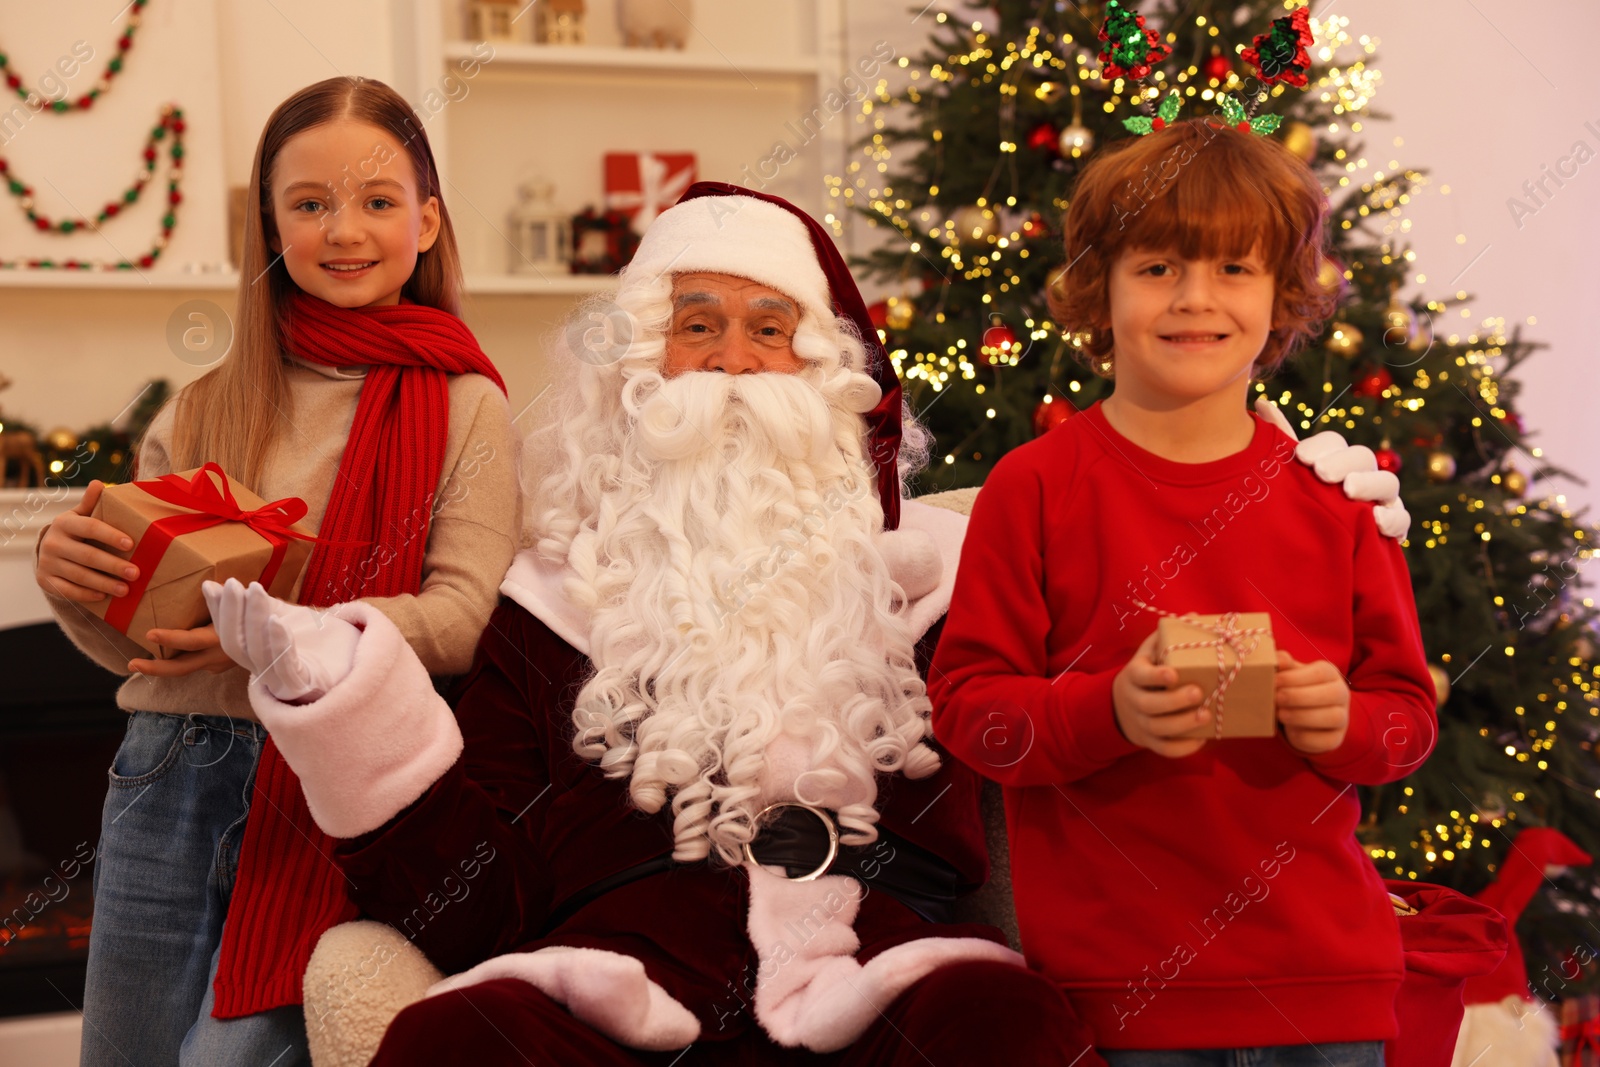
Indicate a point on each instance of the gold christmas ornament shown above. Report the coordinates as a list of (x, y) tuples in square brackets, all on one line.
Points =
[(1514, 482), (1345, 340), (899, 313), (1077, 140), (1441, 466), (974, 225), (1441, 685), (1301, 139), (1399, 324), (61, 439)]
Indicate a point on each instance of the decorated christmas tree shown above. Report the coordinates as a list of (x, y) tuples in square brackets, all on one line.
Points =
[(965, 176)]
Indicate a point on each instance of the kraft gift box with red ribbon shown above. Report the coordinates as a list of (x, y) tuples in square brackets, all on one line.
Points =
[(1233, 660), (191, 527)]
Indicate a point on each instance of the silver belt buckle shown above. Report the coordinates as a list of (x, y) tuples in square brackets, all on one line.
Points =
[(827, 821)]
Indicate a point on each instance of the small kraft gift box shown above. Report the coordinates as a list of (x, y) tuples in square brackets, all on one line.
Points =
[(1232, 659), (189, 528)]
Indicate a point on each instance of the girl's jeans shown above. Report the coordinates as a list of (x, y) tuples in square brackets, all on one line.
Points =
[(169, 848)]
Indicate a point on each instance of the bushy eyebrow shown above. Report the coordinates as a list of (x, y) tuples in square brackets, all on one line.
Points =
[(700, 297), (683, 300), (772, 303)]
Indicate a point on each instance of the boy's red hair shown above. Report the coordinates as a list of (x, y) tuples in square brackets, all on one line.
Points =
[(1204, 191)]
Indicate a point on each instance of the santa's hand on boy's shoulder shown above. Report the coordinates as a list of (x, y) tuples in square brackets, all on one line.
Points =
[(1354, 467), (1150, 713), (296, 653)]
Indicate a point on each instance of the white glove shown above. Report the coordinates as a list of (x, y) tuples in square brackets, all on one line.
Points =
[(1355, 467), (297, 653), (913, 559)]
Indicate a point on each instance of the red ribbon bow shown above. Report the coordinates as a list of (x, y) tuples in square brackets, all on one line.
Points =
[(210, 502), (1587, 1034)]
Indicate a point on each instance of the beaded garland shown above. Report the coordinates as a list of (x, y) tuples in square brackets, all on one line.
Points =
[(171, 124), (86, 101)]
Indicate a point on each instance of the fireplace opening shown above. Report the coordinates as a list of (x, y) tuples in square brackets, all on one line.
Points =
[(59, 730)]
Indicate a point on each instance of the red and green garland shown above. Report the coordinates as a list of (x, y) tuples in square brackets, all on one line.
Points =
[(86, 101), (1129, 49), (171, 124), (1280, 54)]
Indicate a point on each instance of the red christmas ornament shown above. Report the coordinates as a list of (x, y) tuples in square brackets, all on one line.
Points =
[(1513, 420), (878, 315), (1035, 226), (1216, 68), (999, 343), (1045, 138), (1388, 460), (1373, 383), (1050, 413)]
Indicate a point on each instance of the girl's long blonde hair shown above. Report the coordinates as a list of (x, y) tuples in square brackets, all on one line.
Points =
[(231, 415)]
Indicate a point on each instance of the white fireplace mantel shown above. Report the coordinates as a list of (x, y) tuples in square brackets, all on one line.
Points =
[(23, 513)]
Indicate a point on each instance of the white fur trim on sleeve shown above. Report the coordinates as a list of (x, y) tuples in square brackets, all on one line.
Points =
[(810, 990), (607, 990), (1520, 1032), (375, 742)]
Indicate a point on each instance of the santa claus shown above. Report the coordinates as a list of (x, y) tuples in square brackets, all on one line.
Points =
[(688, 795)]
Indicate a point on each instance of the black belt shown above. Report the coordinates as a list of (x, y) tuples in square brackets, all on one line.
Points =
[(804, 841)]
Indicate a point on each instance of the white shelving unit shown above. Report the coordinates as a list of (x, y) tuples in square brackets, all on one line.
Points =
[(155, 281), (752, 77), (587, 57)]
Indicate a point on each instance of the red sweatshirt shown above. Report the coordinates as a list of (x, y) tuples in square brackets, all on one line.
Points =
[(1220, 900)]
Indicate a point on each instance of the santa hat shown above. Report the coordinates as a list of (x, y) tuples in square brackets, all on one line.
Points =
[(724, 229), (1526, 866)]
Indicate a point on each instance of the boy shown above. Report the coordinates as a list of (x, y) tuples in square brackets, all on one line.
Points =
[(1189, 894)]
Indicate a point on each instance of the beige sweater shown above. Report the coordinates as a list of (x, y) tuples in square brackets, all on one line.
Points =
[(473, 536)]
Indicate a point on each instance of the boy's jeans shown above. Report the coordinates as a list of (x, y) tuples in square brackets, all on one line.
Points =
[(1350, 1054), (169, 848)]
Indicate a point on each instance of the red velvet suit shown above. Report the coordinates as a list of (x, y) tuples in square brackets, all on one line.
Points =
[(519, 823)]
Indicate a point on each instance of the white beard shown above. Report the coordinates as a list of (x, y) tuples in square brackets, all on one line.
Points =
[(739, 601)]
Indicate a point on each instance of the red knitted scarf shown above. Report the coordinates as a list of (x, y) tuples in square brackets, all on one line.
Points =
[(288, 890)]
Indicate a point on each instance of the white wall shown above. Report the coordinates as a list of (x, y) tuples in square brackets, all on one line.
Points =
[(1484, 95)]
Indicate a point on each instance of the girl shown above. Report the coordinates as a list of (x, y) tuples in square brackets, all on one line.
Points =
[(357, 388)]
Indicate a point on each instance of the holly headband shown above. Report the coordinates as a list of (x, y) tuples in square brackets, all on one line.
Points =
[(1129, 49)]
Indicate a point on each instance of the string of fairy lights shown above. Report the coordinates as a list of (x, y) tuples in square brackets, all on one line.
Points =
[(988, 241)]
